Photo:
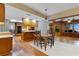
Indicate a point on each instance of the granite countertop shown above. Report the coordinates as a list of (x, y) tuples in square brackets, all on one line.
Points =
[(2, 33), (28, 30), (5, 34)]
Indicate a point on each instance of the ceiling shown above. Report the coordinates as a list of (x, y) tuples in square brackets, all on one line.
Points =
[(52, 8)]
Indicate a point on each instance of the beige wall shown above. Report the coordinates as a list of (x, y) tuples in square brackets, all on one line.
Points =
[(69, 12)]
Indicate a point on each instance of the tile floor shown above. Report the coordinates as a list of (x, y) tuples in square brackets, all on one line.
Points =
[(64, 46)]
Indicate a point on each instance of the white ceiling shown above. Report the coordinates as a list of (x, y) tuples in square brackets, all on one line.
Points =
[(52, 8)]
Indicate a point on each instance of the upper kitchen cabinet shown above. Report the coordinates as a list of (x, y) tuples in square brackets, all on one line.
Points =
[(2, 13)]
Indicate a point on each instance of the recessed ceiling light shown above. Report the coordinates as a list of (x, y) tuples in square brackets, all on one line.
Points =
[(69, 21)]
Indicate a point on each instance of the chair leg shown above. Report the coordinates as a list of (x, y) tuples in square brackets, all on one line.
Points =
[(48, 41), (45, 47), (34, 42), (51, 43), (41, 44), (37, 42)]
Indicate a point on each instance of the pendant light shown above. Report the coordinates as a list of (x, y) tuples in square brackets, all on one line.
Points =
[(46, 14)]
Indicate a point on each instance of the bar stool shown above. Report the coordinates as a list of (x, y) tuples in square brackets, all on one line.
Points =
[(39, 40), (51, 40), (36, 39)]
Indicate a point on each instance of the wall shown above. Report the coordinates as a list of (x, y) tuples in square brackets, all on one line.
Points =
[(11, 13), (43, 26), (14, 13)]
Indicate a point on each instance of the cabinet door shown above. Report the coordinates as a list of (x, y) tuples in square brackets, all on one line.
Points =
[(5, 46), (2, 12)]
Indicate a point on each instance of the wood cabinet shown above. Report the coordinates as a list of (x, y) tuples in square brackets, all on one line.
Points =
[(28, 36), (71, 34), (2, 12), (5, 46), (67, 29)]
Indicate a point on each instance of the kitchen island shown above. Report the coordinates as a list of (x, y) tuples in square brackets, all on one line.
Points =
[(28, 35), (5, 43)]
